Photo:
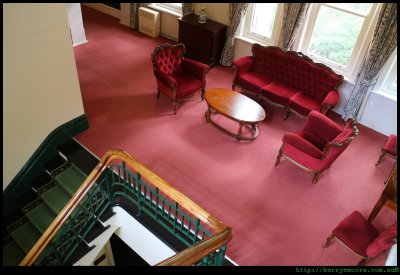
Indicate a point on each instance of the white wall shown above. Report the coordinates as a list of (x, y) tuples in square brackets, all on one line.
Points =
[(76, 23), (40, 89), (139, 238), (215, 11), (380, 114), (125, 14)]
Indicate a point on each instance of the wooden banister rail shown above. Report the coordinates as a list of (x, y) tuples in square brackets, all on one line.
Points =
[(189, 256)]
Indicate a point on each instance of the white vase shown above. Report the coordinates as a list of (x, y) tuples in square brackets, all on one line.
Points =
[(202, 16)]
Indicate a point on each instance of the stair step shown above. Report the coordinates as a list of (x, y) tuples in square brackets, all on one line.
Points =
[(26, 236), (95, 231), (78, 155), (71, 179), (80, 251), (12, 254), (56, 198), (52, 167), (11, 218), (41, 216), (41, 181), (26, 199)]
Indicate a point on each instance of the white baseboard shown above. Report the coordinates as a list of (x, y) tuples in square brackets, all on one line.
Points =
[(104, 9), (79, 43)]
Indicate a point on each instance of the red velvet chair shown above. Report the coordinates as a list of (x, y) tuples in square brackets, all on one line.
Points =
[(177, 77), (390, 149), (362, 238), (318, 144)]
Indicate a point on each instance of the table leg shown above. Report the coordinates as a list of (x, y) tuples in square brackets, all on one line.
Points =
[(207, 114), (239, 135)]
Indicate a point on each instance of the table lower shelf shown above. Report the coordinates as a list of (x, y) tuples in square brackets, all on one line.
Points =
[(239, 135)]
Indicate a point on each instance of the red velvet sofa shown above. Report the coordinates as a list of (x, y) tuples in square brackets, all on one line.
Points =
[(287, 79)]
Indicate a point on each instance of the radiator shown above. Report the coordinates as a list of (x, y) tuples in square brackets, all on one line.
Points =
[(149, 22)]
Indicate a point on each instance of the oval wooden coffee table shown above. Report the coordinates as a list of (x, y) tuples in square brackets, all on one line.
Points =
[(235, 106)]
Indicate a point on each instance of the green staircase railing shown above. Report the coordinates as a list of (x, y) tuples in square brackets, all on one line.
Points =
[(119, 175)]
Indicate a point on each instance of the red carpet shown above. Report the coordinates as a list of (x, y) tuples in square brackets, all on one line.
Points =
[(278, 217)]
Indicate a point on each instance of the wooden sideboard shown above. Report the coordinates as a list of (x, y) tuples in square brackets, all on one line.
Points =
[(203, 42)]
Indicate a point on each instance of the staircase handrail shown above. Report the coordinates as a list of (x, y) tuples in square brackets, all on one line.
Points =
[(189, 256)]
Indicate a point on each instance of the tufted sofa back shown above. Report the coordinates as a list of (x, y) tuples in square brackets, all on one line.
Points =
[(295, 70), (167, 58)]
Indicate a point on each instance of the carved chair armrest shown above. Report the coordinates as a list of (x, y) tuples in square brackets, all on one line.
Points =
[(195, 68), (331, 144), (168, 80), (243, 64), (330, 101)]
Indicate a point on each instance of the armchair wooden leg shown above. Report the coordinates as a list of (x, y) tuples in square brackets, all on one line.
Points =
[(259, 98), (202, 94), (158, 94), (315, 178), (287, 113), (278, 158), (174, 103), (233, 86), (380, 158), (328, 241)]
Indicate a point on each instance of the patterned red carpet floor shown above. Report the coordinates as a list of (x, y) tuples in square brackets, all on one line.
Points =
[(278, 217)]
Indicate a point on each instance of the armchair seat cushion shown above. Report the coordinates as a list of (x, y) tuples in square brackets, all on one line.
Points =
[(304, 104), (362, 237), (253, 82), (278, 93), (312, 163), (303, 145), (356, 232), (187, 85)]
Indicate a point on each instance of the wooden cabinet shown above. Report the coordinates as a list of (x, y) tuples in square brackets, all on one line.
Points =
[(203, 42)]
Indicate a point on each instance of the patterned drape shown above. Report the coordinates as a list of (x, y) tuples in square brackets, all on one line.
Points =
[(236, 13), (187, 8), (294, 15), (135, 15), (383, 44)]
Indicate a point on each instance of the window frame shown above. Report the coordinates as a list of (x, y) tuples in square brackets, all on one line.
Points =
[(351, 71), (168, 7), (248, 35)]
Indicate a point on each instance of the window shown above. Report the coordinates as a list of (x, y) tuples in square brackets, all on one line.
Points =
[(262, 22), (389, 84), (338, 34), (169, 7)]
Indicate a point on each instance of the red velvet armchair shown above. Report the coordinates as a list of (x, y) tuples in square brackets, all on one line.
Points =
[(362, 238), (177, 77), (318, 144), (390, 149)]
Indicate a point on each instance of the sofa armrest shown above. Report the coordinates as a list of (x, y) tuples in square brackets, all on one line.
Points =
[(330, 101), (168, 80), (195, 68), (302, 144), (243, 64)]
